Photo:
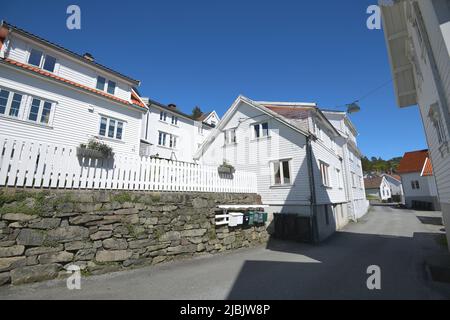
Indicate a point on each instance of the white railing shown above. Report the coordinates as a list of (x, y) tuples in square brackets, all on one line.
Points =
[(36, 164)]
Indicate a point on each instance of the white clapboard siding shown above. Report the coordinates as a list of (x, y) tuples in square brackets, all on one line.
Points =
[(35, 164)]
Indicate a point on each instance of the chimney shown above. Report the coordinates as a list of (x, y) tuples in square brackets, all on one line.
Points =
[(172, 106), (88, 56), (3, 35)]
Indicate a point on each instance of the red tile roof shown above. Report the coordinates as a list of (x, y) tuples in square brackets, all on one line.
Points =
[(416, 161), (36, 70)]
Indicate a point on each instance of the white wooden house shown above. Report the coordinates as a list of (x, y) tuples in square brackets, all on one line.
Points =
[(418, 180), (296, 153), (53, 95), (378, 188), (418, 41), (211, 118), (396, 187), (168, 133)]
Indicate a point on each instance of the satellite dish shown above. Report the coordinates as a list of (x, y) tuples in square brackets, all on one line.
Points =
[(353, 107)]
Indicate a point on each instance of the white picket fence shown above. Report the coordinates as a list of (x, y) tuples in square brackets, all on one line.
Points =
[(42, 165)]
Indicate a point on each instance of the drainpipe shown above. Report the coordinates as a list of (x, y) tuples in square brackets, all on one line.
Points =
[(312, 188)]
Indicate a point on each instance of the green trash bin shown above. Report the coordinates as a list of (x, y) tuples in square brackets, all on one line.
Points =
[(251, 218), (265, 217)]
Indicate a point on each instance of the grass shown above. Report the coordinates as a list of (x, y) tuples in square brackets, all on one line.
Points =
[(123, 197)]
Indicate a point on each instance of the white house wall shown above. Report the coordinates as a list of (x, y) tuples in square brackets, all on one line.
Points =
[(187, 132), (68, 68), (73, 123)]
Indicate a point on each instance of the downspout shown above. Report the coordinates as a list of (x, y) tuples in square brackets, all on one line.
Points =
[(312, 188)]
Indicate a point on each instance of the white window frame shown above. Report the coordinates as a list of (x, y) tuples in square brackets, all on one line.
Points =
[(169, 141), (43, 59), (108, 122), (106, 85), (163, 116), (325, 173), (25, 108), (40, 111), (282, 176), (230, 136), (338, 178), (260, 130), (174, 120)]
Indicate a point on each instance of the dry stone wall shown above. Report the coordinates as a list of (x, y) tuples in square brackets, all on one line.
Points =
[(43, 232)]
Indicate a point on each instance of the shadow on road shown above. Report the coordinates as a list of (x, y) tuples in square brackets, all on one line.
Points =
[(337, 269)]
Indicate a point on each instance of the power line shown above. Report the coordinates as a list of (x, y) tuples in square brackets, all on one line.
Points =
[(368, 94)]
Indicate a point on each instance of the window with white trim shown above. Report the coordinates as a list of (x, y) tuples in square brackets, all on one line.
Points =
[(10, 103), (174, 120), (281, 173), (167, 140), (260, 130), (111, 128), (105, 85), (41, 60), (436, 119), (324, 172), (40, 111), (338, 178), (230, 136), (163, 116)]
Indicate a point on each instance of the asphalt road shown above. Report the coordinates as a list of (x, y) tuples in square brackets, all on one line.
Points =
[(395, 240)]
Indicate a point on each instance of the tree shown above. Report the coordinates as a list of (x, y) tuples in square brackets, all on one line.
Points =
[(196, 112)]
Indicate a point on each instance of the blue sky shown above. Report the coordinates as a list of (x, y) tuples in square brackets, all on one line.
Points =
[(207, 52)]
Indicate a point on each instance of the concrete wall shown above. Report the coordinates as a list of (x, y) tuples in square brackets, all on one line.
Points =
[(42, 232)]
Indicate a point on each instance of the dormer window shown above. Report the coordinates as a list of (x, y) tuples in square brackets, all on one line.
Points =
[(104, 85), (101, 83), (111, 87), (44, 61)]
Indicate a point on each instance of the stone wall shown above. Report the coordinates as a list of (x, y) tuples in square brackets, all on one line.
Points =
[(42, 232)]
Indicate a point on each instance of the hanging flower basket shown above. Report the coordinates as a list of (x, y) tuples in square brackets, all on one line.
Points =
[(226, 168), (95, 149)]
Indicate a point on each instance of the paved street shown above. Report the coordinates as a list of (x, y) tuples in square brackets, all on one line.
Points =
[(396, 240)]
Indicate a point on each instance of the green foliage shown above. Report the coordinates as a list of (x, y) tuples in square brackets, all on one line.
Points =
[(196, 112), (94, 144), (123, 197), (379, 165), (22, 202)]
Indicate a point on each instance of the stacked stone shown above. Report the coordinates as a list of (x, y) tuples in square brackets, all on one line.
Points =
[(43, 232)]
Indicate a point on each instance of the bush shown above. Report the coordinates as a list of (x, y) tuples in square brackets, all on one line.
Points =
[(96, 145)]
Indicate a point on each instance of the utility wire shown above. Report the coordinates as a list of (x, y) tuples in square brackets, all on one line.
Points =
[(368, 94)]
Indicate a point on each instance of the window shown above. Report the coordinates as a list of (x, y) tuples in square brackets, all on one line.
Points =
[(163, 116), (111, 87), (167, 140), (436, 119), (324, 171), (162, 138), (111, 128), (230, 136), (15, 105), (35, 58), (10, 103), (40, 111), (101, 83), (260, 130), (200, 128), (39, 59), (350, 156), (281, 172), (174, 120), (415, 184), (49, 63), (353, 180), (338, 178)]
